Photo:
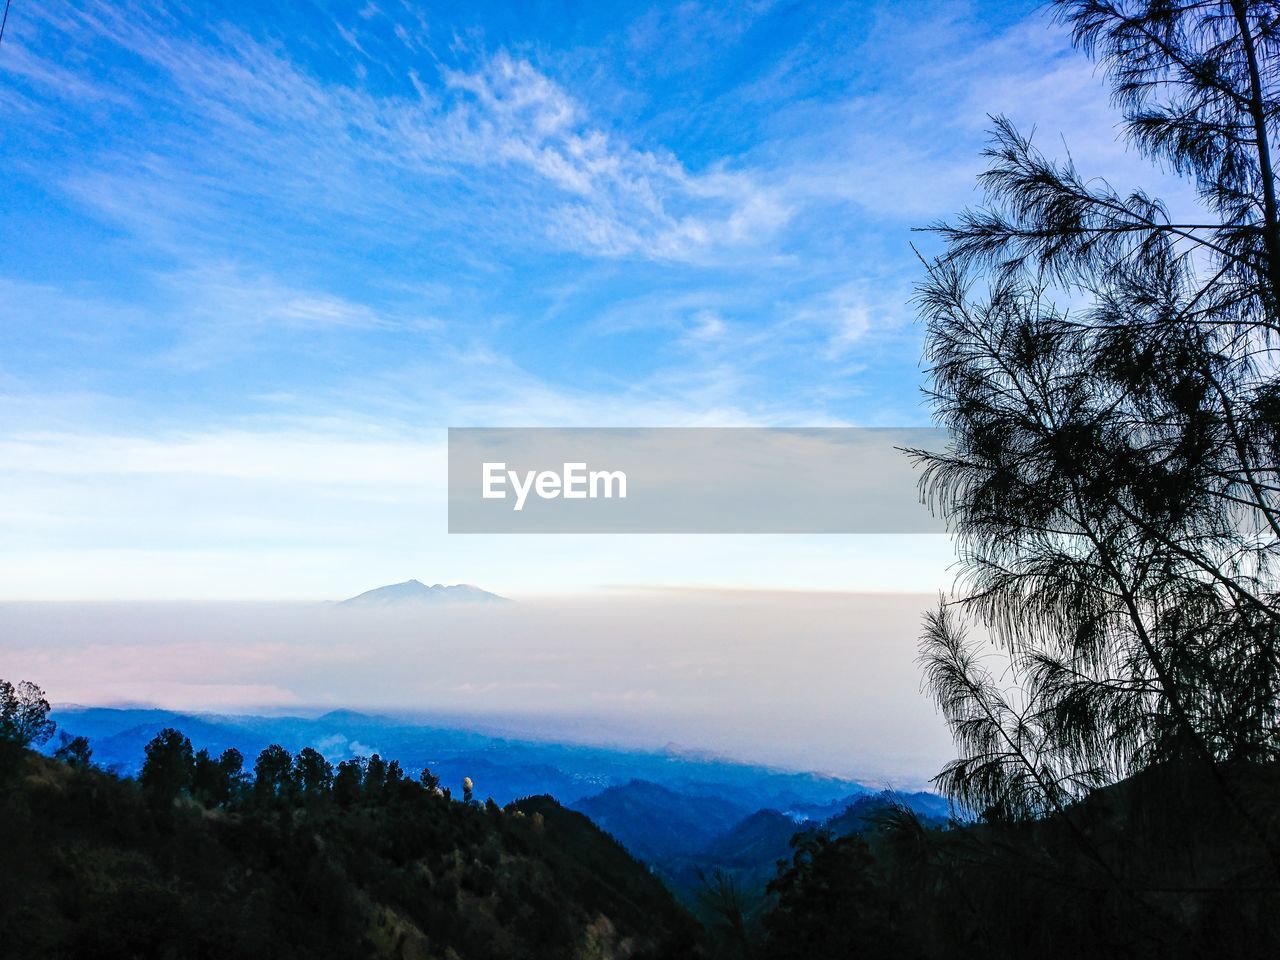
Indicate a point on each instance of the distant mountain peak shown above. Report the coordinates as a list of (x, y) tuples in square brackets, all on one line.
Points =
[(415, 592)]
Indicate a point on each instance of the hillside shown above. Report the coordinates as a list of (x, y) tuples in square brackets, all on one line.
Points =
[(763, 838), (92, 865), (656, 823)]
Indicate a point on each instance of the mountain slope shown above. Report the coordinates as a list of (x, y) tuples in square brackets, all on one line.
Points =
[(656, 823), (759, 840)]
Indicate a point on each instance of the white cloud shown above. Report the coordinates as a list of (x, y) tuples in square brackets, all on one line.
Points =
[(704, 326), (254, 122)]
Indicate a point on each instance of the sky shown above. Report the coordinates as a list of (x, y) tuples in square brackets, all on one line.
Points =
[(256, 259)]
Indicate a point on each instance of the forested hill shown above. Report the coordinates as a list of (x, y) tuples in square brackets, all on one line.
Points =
[(192, 861), (1157, 867)]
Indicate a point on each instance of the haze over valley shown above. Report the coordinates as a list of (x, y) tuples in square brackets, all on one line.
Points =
[(802, 681)]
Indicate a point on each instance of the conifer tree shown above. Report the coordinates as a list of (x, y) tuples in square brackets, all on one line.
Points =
[(1107, 370)]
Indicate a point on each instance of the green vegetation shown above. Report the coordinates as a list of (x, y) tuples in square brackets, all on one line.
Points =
[(24, 720), (198, 859)]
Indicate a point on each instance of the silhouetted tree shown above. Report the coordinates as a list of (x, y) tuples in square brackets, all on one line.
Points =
[(73, 751), (217, 782), (24, 719), (231, 766), (828, 904), (313, 772), (721, 897), (1114, 411), (206, 783), (167, 769), (375, 777), (429, 780), (348, 783), (273, 775)]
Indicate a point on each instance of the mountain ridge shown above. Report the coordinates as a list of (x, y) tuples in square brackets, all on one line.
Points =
[(511, 766)]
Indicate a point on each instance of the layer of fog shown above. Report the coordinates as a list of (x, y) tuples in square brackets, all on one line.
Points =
[(816, 681)]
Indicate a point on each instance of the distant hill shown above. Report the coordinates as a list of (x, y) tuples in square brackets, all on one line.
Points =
[(415, 592), (656, 823), (866, 812), (923, 804), (504, 768), (759, 840)]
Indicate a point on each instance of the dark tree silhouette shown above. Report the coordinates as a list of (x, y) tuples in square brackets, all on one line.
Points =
[(429, 780), (828, 905), (375, 777), (1110, 389), (314, 774), (231, 765), (217, 782), (24, 715), (74, 751), (273, 775), (168, 768), (348, 783)]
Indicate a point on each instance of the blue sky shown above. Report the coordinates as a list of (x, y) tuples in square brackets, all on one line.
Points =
[(256, 257)]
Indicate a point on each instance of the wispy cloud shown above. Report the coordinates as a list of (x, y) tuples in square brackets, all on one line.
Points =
[(250, 120)]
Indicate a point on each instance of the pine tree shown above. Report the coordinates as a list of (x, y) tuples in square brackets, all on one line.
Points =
[(1107, 373)]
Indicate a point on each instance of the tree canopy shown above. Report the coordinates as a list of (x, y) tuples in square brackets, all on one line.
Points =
[(24, 714)]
